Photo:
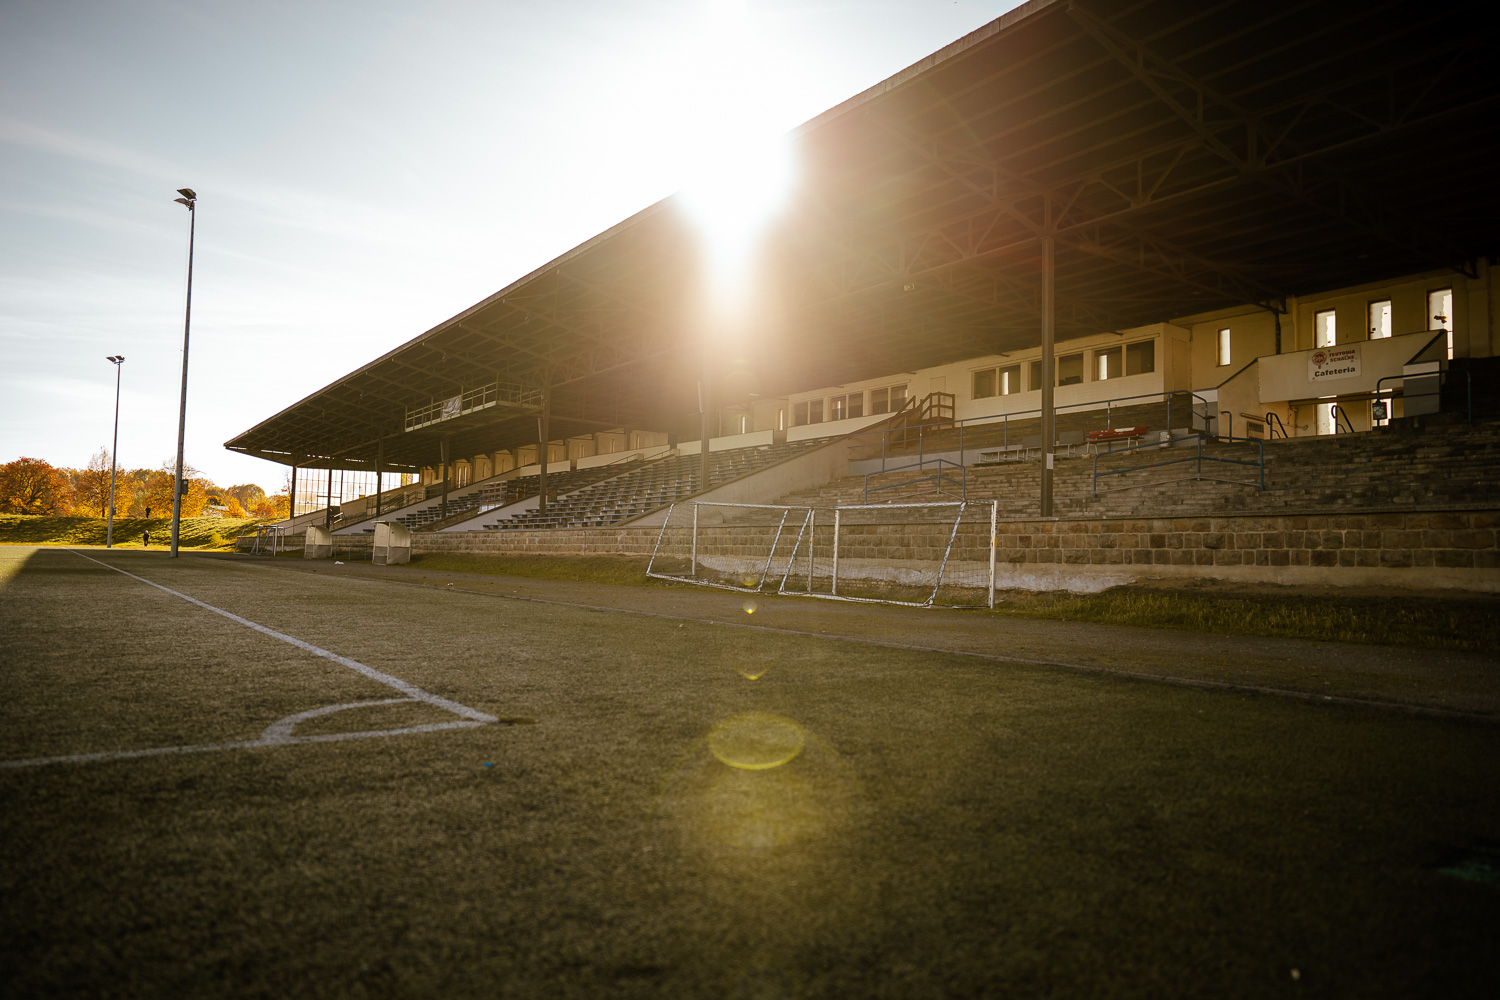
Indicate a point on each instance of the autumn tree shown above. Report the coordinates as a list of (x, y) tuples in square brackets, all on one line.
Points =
[(91, 485), (32, 486), (248, 494)]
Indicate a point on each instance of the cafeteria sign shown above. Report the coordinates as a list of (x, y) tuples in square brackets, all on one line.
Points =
[(1333, 362)]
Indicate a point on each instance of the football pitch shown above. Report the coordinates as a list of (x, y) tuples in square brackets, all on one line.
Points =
[(227, 776)]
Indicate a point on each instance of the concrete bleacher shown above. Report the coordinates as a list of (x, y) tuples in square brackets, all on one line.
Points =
[(1442, 467), (644, 488)]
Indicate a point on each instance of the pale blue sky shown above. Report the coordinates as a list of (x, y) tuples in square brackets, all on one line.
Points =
[(365, 170)]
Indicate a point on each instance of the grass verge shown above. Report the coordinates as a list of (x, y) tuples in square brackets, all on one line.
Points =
[(195, 533), (576, 569), (1456, 622)]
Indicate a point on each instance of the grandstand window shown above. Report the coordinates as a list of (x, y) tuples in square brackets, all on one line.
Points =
[(1222, 353), (986, 384), (1109, 364), (1325, 329), (1010, 380), (836, 408), (1070, 369), (887, 400), (1140, 357), (799, 414), (856, 404), (1380, 319), (1036, 375), (1440, 311)]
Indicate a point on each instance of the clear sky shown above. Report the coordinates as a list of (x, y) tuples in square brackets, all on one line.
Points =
[(365, 170)]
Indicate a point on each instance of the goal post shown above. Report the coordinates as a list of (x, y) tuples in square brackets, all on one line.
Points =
[(918, 554)]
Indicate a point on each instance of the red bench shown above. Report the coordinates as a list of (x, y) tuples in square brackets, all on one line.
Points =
[(1130, 435)]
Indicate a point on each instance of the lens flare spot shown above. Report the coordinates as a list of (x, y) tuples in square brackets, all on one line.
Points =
[(756, 741), (751, 675), (750, 607)]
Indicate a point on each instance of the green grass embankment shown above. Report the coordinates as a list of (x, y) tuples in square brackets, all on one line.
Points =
[(196, 532), (1459, 621), (575, 569)]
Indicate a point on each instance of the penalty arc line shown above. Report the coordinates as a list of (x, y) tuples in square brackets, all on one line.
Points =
[(408, 689)]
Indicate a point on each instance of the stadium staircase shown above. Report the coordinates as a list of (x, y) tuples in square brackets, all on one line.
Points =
[(1443, 467), (648, 488)]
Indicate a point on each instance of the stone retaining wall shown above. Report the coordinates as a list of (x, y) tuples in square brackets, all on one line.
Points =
[(1410, 550), (1442, 549), (547, 542)]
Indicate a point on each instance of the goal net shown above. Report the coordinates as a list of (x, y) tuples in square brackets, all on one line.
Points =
[(918, 553)]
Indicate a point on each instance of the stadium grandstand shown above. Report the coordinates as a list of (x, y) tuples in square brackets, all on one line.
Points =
[(1096, 260)]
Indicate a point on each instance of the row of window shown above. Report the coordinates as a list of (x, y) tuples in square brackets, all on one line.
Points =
[(1439, 317), (1138, 358), (886, 399)]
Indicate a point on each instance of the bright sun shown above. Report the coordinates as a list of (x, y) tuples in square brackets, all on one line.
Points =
[(736, 193)]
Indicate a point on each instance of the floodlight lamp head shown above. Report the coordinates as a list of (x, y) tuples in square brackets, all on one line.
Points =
[(184, 201), (188, 193)]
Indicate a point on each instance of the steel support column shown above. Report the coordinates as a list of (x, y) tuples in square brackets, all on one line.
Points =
[(379, 461), (543, 431), (1049, 417), (703, 410), (444, 455)]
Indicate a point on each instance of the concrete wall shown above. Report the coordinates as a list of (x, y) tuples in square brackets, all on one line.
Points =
[(632, 541), (1285, 377), (1408, 550), (1454, 549)]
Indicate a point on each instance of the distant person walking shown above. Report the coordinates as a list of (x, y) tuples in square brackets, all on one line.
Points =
[(146, 538)]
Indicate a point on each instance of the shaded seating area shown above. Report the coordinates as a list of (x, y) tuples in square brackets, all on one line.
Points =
[(649, 487)]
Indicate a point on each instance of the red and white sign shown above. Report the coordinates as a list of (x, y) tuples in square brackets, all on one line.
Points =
[(1333, 362)]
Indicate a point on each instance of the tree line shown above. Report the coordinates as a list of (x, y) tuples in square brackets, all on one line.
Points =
[(33, 486)]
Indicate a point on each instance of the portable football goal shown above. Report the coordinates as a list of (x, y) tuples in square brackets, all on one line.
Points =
[(917, 554)]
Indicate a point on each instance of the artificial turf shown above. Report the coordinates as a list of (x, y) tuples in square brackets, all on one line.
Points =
[(950, 827)]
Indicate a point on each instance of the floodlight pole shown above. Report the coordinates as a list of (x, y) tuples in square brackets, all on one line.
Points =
[(109, 532), (190, 199)]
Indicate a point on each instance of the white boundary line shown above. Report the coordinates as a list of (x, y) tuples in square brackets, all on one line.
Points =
[(410, 690), (280, 732)]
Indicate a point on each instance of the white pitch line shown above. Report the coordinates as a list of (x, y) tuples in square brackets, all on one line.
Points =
[(410, 690), (267, 739)]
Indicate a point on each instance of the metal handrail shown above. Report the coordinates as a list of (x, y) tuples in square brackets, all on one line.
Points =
[(1468, 388), (1272, 422), (963, 477), (1199, 459), (1337, 413), (1003, 419)]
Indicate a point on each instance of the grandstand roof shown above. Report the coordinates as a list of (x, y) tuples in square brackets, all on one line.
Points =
[(1185, 158)]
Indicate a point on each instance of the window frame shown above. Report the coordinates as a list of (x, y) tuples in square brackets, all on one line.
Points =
[(1390, 318), (1333, 327)]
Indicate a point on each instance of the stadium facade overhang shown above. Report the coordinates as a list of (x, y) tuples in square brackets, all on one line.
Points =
[(1178, 158)]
